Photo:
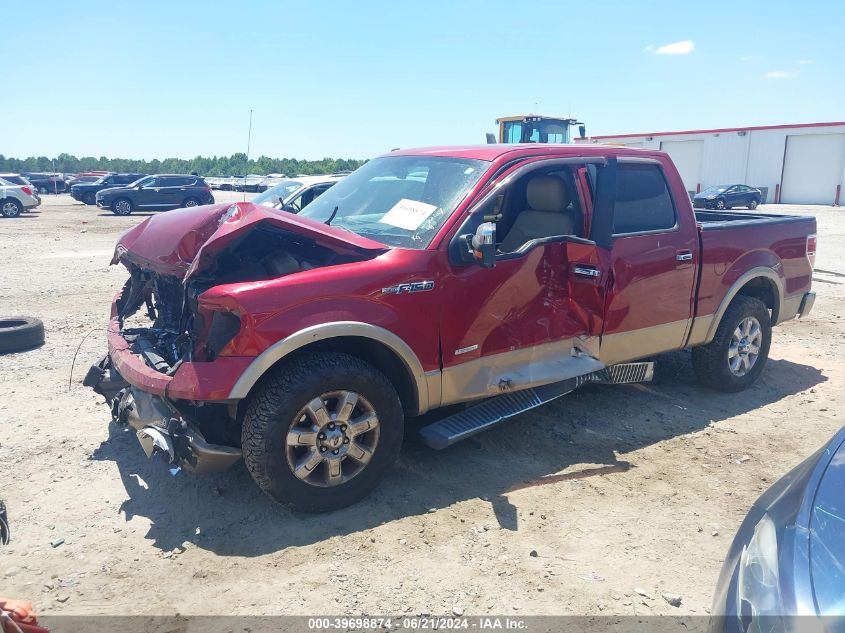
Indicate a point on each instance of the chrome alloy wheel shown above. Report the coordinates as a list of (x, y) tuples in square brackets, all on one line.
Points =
[(332, 439), (745, 345)]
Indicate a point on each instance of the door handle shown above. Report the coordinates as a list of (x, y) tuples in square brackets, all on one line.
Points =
[(590, 272), (684, 256)]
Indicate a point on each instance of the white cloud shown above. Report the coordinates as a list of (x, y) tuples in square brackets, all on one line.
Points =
[(684, 47), (780, 74)]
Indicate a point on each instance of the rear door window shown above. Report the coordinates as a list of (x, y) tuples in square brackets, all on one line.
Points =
[(643, 200)]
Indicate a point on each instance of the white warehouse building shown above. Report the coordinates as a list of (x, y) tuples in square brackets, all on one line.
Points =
[(798, 164)]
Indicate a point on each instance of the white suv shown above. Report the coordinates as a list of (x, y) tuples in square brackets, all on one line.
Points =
[(15, 199), (292, 194)]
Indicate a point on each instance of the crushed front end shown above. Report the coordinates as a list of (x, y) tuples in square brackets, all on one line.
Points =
[(170, 368), (176, 406)]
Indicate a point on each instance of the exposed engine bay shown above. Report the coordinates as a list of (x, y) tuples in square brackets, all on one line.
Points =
[(158, 313)]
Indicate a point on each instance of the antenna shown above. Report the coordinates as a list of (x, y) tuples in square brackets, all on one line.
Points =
[(246, 162)]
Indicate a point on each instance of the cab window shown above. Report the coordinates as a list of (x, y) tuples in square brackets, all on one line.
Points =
[(643, 202)]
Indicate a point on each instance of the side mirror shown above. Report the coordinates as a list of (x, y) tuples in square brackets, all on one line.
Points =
[(491, 138), (483, 245)]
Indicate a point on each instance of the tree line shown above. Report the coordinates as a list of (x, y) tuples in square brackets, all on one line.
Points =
[(233, 165)]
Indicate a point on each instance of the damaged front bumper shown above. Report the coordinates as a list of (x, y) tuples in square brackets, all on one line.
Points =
[(161, 428)]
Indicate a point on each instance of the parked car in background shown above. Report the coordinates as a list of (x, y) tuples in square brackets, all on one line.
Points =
[(15, 198), (250, 182), (787, 560), (728, 196), (87, 191), (294, 194), (81, 178), (271, 180), (46, 183), (17, 179), (157, 193)]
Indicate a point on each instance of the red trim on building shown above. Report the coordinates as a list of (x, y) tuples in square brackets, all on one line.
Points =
[(724, 129)]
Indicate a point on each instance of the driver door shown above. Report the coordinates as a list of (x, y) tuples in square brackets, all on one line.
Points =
[(536, 317)]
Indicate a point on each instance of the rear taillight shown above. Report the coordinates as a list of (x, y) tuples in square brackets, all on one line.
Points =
[(207, 189), (811, 250), (26, 190)]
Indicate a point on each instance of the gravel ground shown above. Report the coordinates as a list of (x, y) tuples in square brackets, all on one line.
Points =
[(565, 510)]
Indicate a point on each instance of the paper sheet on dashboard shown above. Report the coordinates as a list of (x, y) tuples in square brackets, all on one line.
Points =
[(408, 214)]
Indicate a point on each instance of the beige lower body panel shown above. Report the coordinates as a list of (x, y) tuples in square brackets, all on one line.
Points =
[(518, 369), (636, 344)]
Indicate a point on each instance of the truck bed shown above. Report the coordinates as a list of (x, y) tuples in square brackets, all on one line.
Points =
[(733, 243), (708, 220)]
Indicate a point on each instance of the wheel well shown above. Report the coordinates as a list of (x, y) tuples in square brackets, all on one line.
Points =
[(376, 354), (765, 290)]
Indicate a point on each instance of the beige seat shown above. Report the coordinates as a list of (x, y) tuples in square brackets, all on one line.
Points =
[(547, 214)]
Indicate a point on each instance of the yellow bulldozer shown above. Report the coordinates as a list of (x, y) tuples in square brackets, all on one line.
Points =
[(535, 128)]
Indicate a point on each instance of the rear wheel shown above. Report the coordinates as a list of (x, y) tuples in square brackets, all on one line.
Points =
[(122, 206), (319, 433), (753, 205), (739, 350), (190, 202), (11, 208), (43, 190)]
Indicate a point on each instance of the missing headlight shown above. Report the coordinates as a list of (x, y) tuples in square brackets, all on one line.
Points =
[(224, 327)]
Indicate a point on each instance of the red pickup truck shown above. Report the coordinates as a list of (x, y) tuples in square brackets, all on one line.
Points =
[(499, 276)]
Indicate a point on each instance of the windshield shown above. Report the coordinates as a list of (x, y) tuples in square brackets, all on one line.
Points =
[(715, 189), (276, 195), (398, 200)]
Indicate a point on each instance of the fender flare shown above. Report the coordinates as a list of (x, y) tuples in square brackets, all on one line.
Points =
[(334, 329), (733, 291)]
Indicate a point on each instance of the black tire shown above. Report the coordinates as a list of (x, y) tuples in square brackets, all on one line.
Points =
[(753, 204), (11, 208), (711, 361), (190, 202), (20, 333), (122, 206), (274, 408), (89, 198), (43, 190)]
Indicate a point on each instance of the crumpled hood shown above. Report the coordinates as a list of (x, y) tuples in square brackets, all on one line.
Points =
[(185, 241)]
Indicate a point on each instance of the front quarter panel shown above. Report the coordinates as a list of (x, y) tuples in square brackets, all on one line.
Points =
[(397, 292)]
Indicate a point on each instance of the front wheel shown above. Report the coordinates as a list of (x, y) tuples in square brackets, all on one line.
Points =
[(190, 202), (321, 430), (11, 208), (122, 206), (735, 357), (89, 198)]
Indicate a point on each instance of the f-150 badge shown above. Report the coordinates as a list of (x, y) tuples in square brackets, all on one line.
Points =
[(414, 286)]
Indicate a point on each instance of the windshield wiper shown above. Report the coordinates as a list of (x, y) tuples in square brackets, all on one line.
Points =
[(331, 217)]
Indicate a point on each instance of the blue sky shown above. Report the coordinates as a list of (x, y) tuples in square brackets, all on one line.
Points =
[(354, 79)]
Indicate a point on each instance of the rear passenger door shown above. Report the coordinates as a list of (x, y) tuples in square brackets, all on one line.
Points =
[(172, 191), (650, 292)]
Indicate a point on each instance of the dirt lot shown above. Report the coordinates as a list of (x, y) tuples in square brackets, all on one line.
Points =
[(563, 511)]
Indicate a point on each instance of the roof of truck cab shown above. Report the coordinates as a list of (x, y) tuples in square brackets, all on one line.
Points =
[(495, 151)]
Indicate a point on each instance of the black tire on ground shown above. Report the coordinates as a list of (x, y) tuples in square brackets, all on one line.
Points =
[(89, 198), (274, 408), (711, 362), (20, 333), (190, 202), (122, 206), (753, 205), (43, 190), (11, 208)]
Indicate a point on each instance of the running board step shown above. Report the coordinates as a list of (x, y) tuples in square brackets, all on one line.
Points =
[(482, 416)]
